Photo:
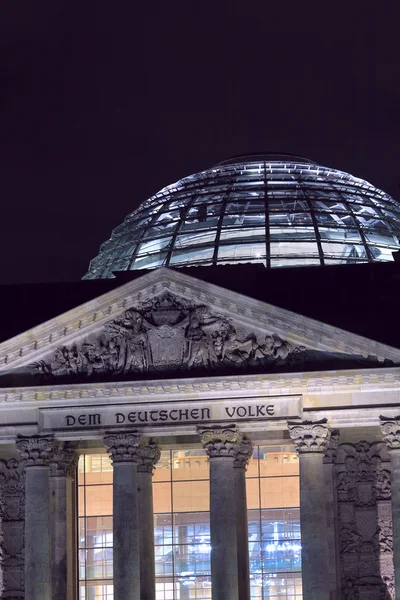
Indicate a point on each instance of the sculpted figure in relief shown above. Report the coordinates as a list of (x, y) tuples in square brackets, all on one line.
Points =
[(163, 333)]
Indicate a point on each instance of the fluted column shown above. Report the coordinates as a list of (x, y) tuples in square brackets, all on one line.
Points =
[(148, 455), (123, 449), (311, 440), (390, 428), (62, 473), (221, 443), (36, 452), (244, 452)]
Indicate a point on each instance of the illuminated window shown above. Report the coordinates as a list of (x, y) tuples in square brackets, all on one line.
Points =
[(182, 525)]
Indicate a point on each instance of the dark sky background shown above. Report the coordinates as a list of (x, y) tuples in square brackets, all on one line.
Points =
[(104, 103)]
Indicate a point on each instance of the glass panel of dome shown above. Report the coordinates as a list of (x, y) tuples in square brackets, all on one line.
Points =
[(322, 205), (195, 239), (153, 246), (241, 252), (346, 251), (382, 252), (256, 233), (244, 219), (339, 234), (150, 262), (159, 230), (296, 234), (195, 255), (248, 205), (294, 262), (286, 248)]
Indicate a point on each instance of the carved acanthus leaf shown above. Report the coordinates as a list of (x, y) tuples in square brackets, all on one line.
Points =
[(63, 463), (310, 436), (220, 441), (331, 451), (243, 453), (122, 447), (35, 450), (148, 455)]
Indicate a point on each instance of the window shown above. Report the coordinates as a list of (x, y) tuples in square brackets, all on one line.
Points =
[(182, 525)]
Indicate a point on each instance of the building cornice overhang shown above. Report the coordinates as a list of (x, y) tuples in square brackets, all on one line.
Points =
[(377, 380)]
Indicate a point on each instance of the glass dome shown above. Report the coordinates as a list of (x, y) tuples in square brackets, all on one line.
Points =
[(278, 210)]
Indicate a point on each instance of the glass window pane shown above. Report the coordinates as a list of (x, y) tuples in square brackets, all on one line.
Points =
[(162, 497), (279, 492), (191, 495), (162, 471), (192, 255), (242, 252), (190, 465), (99, 500), (253, 493), (195, 239)]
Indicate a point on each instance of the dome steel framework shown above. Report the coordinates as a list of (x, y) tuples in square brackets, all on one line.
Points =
[(278, 210)]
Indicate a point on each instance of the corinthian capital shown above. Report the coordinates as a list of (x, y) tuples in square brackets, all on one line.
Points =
[(148, 455), (220, 441), (35, 451), (310, 436), (390, 428), (243, 453), (63, 462), (122, 447), (330, 454)]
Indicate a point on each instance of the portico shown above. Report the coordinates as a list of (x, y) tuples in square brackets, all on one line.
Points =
[(184, 466)]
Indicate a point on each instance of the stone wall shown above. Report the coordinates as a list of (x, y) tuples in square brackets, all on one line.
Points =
[(364, 522)]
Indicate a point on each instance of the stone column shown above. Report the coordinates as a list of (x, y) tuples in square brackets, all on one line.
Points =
[(311, 440), (244, 452), (390, 428), (62, 472), (123, 449), (330, 497), (35, 452), (148, 455), (221, 443)]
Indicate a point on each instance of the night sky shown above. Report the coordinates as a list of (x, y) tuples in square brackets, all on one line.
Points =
[(104, 103)]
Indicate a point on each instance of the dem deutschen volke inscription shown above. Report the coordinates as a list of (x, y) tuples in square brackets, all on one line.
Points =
[(170, 413)]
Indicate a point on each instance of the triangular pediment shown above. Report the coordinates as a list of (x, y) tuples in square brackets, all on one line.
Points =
[(167, 322)]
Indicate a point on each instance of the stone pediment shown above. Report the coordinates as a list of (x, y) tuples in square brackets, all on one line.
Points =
[(165, 322)]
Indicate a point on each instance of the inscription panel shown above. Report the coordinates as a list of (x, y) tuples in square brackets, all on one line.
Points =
[(171, 413)]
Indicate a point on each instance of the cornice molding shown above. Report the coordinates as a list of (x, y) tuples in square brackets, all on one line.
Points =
[(87, 318), (321, 382)]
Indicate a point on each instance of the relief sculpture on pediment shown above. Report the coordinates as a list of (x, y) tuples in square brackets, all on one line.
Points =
[(168, 333)]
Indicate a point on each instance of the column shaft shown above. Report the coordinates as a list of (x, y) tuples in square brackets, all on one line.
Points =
[(146, 536), (311, 440), (62, 473), (37, 534), (242, 532), (35, 452), (126, 534), (58, 512), (314, 531), (224, 557)]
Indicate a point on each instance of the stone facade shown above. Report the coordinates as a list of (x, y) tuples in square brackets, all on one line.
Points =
[(131, 359)]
